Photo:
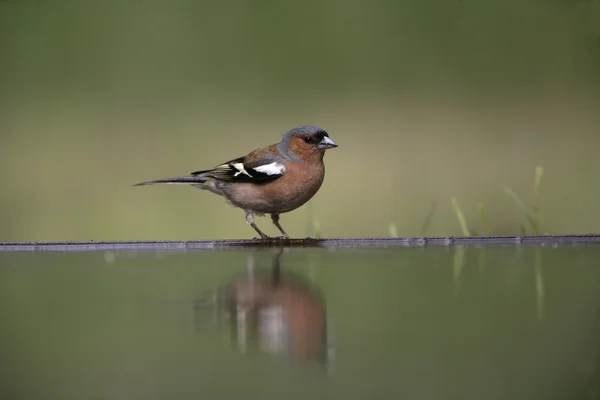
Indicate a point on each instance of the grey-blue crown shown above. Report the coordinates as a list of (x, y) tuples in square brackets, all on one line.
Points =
[(303, 129)]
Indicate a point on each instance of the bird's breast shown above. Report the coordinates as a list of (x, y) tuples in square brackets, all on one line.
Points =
[(298, 185)]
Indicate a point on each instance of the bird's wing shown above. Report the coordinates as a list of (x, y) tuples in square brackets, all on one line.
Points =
[(256, 167)]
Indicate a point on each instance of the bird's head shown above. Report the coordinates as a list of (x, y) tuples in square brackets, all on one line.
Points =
[(305, 143)]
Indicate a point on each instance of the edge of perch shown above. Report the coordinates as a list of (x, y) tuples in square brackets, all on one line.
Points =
[(545, 240)]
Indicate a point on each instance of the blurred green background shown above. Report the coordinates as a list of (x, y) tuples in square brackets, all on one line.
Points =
[(427, 100)]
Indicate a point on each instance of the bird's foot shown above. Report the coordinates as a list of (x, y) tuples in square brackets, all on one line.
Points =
[(265, 237)]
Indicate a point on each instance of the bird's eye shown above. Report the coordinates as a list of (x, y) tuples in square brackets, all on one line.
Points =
[(308, 139)]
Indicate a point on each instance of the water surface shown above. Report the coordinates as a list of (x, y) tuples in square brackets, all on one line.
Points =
[(418, 323)]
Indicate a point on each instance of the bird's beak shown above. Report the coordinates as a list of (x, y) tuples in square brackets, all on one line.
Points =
[(326, 143)]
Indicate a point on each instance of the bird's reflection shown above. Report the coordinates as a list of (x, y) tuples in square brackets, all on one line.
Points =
[(272, 311)]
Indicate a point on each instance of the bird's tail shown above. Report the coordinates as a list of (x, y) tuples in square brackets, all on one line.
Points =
[(185, 180)]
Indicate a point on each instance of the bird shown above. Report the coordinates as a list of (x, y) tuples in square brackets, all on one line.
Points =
[(274, 180)]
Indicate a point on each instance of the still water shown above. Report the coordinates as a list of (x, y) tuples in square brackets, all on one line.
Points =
[(414, 323)]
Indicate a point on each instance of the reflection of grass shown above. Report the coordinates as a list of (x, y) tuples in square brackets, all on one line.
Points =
[(540, 293), (481, 260), (458, 263)]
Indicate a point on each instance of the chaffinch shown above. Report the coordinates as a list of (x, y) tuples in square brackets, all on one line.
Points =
[(272, 180)]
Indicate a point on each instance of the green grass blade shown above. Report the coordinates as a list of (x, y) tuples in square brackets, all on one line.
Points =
[(460, 216), (533, 222), (508, 191), (317, 229), (539, 176), (428, 218), (522, 230), (393, 230)]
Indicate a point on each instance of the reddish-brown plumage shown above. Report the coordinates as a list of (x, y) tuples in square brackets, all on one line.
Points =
[(298, 185), (305, 151)]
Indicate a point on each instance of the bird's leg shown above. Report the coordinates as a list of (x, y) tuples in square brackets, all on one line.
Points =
[(250, 269), (277, 266), (275, 219), (250, 221)]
